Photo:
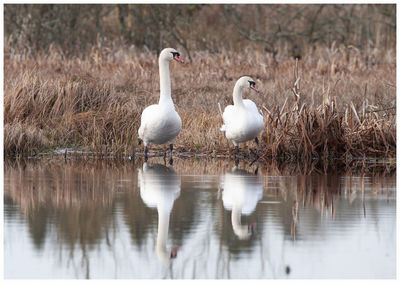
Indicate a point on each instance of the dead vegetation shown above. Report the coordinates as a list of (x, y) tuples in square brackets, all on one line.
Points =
[(344, 109), (324, 132)]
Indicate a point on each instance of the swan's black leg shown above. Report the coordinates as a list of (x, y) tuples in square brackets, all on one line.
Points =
[(258, 144), (236, 151), (171, 148), (236, 162), (146, 151), (258, 148)]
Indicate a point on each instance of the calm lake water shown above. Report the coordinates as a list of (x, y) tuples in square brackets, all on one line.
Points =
[(203, 219)]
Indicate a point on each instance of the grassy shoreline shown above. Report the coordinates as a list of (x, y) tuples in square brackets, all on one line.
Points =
[(345, 109), (215, 163)]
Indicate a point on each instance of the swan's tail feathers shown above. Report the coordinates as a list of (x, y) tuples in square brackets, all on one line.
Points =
[(220, 110), (223, 128)]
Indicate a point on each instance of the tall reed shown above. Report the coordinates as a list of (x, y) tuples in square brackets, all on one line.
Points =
[(345, 107)]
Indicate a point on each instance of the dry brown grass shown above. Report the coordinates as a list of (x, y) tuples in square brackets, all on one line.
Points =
[(346, 106)]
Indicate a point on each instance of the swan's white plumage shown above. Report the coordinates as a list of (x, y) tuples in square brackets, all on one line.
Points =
[(242, 121), (241, 193), (241, 190), (160, 186), (160, 123)]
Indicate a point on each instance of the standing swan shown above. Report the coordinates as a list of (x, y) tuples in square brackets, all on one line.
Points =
[(160, 123), (242, 121)]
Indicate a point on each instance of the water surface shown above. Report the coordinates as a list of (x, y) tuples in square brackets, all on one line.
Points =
[(197, 219)]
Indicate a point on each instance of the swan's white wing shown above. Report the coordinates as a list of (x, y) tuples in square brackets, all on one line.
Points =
[(227, 116), (159, 124), (257, 120), (250, 105), (146, 115)]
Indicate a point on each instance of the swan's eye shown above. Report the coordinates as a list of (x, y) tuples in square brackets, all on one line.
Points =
[(176, 54), (252, 84)]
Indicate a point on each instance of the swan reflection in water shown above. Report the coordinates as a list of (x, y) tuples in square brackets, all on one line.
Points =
[(241, 193), (160, 186)]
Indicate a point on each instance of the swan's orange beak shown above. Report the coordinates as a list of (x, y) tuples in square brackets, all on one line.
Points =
[(174, 252), (178, 59), (252, 226), (254, 88)]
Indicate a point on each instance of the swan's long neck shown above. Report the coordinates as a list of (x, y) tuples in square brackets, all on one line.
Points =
[(237, 95), (236, 217), (162, 235), (165, 82), (240, 230)]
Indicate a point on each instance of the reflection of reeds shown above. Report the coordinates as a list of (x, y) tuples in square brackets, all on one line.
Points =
[(60, 184), (79, 195), (90, 183), (345, 107), (77, 199), (321, 192)]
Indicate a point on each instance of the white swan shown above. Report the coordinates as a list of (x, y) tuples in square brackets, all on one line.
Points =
[(160, 186), (242, 120), (160, 123), (241, 193)]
